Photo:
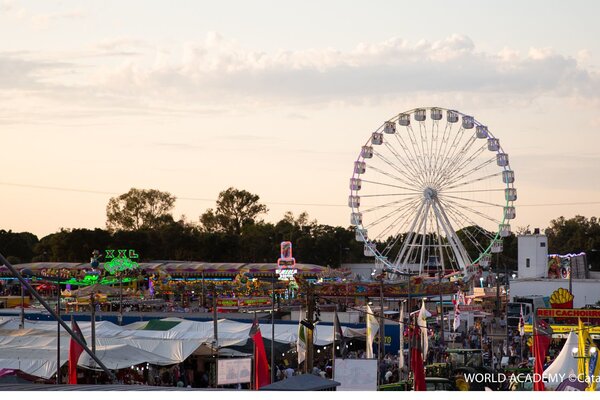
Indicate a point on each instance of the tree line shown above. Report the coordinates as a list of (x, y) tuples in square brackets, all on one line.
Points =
[(233, 231)]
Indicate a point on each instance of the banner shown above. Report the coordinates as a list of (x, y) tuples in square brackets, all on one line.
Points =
[(301, 341), (372, 329), (262, 377), (356, 374), (235, 370), (75, 351)]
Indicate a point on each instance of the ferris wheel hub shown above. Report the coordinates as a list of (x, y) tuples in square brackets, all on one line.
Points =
[(430, 193)]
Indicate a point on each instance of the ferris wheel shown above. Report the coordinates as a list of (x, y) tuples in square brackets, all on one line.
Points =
[(432, 190)]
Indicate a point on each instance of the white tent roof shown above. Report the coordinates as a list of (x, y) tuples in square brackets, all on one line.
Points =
[(33, 349), (564, 364)]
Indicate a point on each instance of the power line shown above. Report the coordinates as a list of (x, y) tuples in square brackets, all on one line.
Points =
[(63, 189)]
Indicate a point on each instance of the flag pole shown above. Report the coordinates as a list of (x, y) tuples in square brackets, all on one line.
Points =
[(254, 375)]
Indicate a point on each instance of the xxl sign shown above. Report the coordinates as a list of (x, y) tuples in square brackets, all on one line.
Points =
[(121, 262)]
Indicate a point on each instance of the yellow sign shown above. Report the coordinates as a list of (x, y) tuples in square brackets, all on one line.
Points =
[(593, 330)]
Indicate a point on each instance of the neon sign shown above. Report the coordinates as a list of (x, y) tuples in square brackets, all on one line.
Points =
[(122, 262), (286, 263)]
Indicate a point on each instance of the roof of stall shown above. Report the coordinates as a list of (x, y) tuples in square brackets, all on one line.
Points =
[(178, 268), (33, 348)]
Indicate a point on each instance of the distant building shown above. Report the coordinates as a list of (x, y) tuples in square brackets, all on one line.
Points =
[(541, 274)]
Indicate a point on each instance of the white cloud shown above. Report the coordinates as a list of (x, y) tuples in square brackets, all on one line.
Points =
[(38, 20), (217, 66), (217, 72), (42, 20)]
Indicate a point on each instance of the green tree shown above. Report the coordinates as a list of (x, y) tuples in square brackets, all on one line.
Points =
[(17, 245), (139, 209), (573, 235), (71, 245), (235, 209)]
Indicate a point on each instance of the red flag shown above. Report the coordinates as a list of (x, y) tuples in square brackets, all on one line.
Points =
[(262, 377), (75, 351), (542, 336), (416, 359)]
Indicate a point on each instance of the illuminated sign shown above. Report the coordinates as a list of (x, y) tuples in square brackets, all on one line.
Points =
[(226, 303), (567, 312), (123, 261), (286, 263)]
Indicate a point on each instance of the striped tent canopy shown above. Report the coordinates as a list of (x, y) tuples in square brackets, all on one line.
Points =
[(173, 268)]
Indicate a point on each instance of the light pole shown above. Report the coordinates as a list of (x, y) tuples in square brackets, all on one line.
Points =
[(26, 274), (584, 360)]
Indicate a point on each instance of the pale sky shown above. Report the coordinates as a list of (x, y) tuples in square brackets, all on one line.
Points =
[(278, 97)]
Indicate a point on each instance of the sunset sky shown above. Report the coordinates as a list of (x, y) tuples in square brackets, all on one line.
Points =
[(277, 98)]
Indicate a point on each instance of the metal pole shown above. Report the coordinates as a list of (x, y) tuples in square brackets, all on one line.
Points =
[(521, 340), (121, 298), (216, 334), (571, 279), (506, 309), (58, 331), (22, 324), (381, 347), (253, 380), (93, 303), (335, 329), (409, 309), (442, 341), (52, 312), (273, 328), (203, 297), (308, 364)]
